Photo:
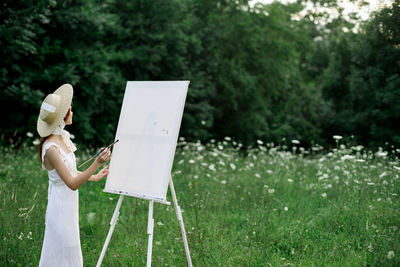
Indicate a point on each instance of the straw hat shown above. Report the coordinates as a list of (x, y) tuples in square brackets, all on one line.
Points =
[(53, 110)]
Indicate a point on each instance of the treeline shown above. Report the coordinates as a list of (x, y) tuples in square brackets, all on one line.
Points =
[(259, 72)]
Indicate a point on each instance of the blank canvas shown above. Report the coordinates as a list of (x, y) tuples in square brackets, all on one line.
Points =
[(148, 130)]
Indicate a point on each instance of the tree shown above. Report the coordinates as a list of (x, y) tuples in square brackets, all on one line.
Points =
[(361, 81)]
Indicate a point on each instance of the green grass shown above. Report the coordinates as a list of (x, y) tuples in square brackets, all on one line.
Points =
[(266, 208)]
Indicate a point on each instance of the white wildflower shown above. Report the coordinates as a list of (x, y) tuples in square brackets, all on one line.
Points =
[(257, 175), (29, 134), (160, 223), (324, 176), (271, 191), (227, 138), (286, 209), (337, 137), (233, 167), (260, 142), (359, 148), (196, 177), (381, 154), (223, 182), (36, 142), (90, 217), (397, 168), (296, 142), (72, 136), (390, 255), (212, 167), (345, 157), (324, 194), (290, 180), (191, 161), (318, 38)]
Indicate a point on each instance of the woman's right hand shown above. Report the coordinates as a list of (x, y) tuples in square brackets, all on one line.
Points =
[(104, 156)]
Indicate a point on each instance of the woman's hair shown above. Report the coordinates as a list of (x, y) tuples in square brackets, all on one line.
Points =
[(43, 139)]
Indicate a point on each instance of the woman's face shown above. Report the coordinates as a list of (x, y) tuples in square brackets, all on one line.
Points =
[(68, 117)]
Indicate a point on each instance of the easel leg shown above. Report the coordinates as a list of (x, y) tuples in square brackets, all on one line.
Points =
[(150, 227), (180, 219), (110, 232)]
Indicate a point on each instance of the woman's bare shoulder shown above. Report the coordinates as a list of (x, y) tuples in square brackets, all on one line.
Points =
[(52, 148), (52, 154)]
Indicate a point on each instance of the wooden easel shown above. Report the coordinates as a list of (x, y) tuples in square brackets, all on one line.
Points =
[(150, 227)]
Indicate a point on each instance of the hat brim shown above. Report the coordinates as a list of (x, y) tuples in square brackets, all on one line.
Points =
[(65, 92)]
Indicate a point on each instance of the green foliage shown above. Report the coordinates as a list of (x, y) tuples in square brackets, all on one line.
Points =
[(256, 73), (64, 46), (259, 86), (362, 80)]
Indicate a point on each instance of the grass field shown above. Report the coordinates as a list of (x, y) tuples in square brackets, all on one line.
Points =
[(270, 207)]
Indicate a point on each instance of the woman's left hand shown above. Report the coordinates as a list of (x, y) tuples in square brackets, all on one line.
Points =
[(101, 174)]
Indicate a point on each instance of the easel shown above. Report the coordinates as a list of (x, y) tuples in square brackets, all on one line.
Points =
[(150, 227)]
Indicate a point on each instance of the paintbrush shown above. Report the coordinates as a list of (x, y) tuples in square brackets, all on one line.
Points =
[(98, 153)]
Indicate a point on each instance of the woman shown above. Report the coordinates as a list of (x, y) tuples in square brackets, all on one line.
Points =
[(61, 244)]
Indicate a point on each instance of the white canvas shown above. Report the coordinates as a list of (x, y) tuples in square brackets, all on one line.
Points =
[(147, 130)]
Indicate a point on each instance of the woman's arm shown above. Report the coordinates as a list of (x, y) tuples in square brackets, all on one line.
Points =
[(54, 156), (100, 175)]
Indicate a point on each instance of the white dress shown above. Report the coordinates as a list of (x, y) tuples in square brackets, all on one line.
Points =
[(61, 244)]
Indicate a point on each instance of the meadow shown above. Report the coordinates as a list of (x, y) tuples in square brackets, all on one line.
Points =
[(270, 206)]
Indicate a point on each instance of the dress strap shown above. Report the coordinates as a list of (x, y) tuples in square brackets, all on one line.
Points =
[(46, 147)]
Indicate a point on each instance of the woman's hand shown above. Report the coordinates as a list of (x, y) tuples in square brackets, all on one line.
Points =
[(100, 175), (104, 156)]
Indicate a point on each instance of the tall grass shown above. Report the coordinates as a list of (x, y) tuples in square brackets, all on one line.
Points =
[(268, 207)]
